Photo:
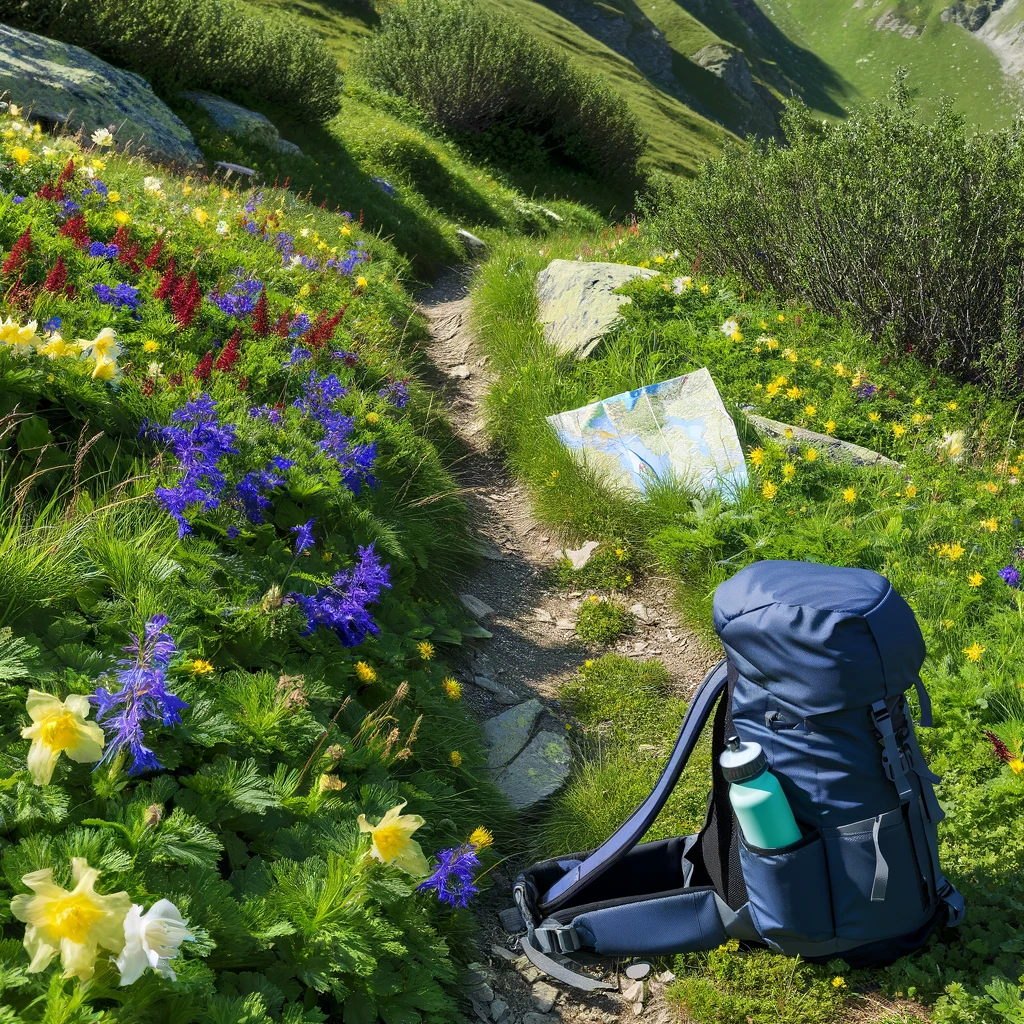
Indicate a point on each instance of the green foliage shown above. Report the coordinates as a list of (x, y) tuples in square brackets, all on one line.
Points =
[(250, 823), (932, 264), (471, 71), (224, 46), (602, 622)]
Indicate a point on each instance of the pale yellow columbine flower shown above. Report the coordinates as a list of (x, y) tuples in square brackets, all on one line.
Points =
[(21, 155), (452, 688), (975, 579), (75, 923), (975, 651), (102, 137), (104, 369), (103, 346), (56, 347), (392, 841), (365, 672), (425, 649), (481, 838), (953, 442), (59, 727), (21, 340)]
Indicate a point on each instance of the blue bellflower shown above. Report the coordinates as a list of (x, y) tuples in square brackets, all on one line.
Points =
[(304, 536), (453, 877)]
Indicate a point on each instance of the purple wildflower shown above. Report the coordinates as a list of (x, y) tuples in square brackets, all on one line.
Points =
[(241, 298), (100, 250), (143, 696), (866, 391), (1010, 576), (121, 296), (250, 489), (199, 442), (303, 536), (68, 209), (18, 200), (347, 358), (341, 606), (233, 532), (252, 203), (386, 187), (266, 412), (299, 326), (51, 325), (396, 392), (96, 187), (453, 876), (299, 355)]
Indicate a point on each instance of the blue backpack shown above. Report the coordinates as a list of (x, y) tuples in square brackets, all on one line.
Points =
[(818, 660)]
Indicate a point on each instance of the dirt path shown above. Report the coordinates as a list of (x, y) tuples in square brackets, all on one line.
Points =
[(533, 651)]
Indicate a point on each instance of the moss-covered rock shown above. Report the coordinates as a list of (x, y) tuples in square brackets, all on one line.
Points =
[(64, 84)]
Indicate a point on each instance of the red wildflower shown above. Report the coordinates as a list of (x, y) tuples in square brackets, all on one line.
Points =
[(147, 387), (77, 230), (19, 253), (154, 253), (128, 251), (230, 353), (260, 322), (186, 299), (281, 325), (57, 278), (243, 383), (323, 328), (174, 380), (203, 367), (999, 748), (168, 283)]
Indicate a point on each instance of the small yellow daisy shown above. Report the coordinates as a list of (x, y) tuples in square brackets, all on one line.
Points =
[(769, 490), (426, 649), (849, 495), (452, 688), (481, 837), (367, 673)]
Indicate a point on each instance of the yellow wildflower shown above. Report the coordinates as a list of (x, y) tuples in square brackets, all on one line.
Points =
[(991, 487), (372, 418), (200, 216), (757, 456), (392, 842), (455, 759), (849, 495), (659, 259), (122, 217), (951, 406), (788, 433), (840, 370), (975, 651), (917, 401), (1016, 765), (772, 344), (898, 429), (830, 427), (75, 923), (21, 155), (59, 727), (200, 667), (426, 649), (810, 410), (811, 454), (816, 364), (874, 416), (948, 623), (769, 490), (975, 579), (990, 524), (104, 368), (481, 838), (772, 390), (782, 318), (361, 282), (838, 982), (705, 289), (113, 196), (452, 688), (150, 346), (366, 672), (794, 392), (917, 419), (911, 491), (789, 471)]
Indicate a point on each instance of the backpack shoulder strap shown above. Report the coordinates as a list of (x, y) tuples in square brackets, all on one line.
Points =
[(630, 832)]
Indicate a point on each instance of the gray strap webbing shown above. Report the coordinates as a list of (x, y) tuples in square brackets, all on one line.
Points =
[(893, 760), (881, 880), (555, 970)]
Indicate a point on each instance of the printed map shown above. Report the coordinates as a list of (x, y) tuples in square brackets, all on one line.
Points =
[(677, 430)]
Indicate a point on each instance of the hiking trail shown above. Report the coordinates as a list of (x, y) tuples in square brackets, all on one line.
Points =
[(534, 650)]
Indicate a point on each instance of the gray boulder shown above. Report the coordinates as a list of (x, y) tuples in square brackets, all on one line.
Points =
[(61, 84), (837, 448), (730, 65), (508, 733), (537, 772), (242, 123), (577, 304)]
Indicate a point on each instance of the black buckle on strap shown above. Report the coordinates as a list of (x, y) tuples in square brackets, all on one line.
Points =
[(556, 938)]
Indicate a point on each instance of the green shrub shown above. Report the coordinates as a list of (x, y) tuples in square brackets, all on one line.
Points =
[(602, 622), (471, 72), (224, 46), (914, 228), (610, 567)]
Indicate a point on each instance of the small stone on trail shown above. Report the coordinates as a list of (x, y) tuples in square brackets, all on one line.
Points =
[(508, 733), (460, 372), (665, 977), (545, 540), (644, 614), (538, 1018), (638, 1009), (503, 952), (641, 970), (544, 996), (579, 556), (565, 624), (543, 615), (633, 992), (499, 1010), (477, 608), (537, 772), (482, 993), (500, 693)]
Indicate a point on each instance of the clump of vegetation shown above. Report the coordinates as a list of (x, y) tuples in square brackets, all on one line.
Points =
[(224, 46), (226, 726), (930, 265), (610, 567), (601, 621), (473, 71)]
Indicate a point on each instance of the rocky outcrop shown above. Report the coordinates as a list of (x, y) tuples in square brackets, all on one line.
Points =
[(242, 123), (63, 85), (577, 304), (730, 65), (971, 16)]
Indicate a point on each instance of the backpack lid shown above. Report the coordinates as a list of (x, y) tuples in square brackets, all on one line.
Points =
[(821, 638)]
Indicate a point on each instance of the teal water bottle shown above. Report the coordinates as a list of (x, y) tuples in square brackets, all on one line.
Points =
[(761, 807)]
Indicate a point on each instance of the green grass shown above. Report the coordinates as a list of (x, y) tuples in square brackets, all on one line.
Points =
[(940, 529)]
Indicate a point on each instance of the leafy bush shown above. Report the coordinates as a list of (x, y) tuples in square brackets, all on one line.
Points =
[(471, 72), (224, 46), (602, 622), (914, 229), (223, 526)]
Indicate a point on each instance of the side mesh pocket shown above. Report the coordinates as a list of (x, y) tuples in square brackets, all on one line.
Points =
[(789, 895), (878, 888)]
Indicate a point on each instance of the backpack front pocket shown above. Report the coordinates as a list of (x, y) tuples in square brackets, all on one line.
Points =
[(788, 894), (878, 890)]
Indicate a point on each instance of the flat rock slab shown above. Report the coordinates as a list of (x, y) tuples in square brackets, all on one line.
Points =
[(241, 122), (577, 304), (508, 733), (63, 84), (477, 608), (537, 772), (847, 450)]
